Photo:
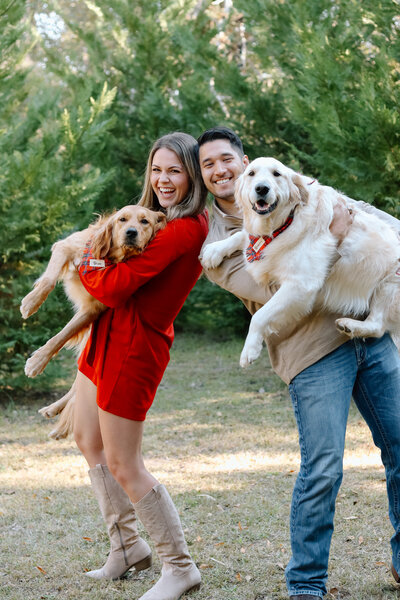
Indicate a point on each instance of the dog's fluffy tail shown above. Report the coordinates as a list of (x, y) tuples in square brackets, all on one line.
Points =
[(65, 405)]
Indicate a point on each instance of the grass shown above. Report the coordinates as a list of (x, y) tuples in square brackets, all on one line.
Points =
[(224, 442)]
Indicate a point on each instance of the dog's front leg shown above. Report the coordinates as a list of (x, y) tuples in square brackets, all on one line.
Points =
[(292, 301), (39, 359), (46, 282), (214, 253)]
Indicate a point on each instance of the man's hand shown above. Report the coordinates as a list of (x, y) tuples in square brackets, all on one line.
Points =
[(342, 220)]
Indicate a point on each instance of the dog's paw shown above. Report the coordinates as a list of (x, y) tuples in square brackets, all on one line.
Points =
[(212, 256), (251, 351), (30, 304), (36, 363), (347, 326), (46, 412)]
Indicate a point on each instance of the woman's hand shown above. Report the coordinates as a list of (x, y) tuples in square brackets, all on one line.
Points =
[(342, 220)]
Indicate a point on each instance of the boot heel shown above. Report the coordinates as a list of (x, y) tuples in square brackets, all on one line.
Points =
[(143, 564), (195, 588)]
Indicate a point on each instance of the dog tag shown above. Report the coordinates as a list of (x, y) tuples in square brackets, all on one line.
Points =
[(258, 244), (93, 262)]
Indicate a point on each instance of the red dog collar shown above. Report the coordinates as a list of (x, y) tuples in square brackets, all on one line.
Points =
[(257, 244)]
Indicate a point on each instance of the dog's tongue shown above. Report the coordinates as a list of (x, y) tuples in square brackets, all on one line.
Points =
[(262, 205)]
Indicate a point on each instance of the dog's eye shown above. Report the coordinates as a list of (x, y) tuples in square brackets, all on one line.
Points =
[(144, 221), (276, 174), (123, 219), (251, 173)]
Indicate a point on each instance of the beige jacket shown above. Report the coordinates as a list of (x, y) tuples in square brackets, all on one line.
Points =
[(296, 347)]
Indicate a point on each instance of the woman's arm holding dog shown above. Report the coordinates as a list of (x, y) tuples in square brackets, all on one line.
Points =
[(114, 284)]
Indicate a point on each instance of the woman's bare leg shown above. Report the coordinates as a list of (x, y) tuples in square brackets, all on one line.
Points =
[(153, 505), (86, 422), (123, 449), (127, 548)]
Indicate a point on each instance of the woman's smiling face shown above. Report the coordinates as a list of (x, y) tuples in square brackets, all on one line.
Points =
[(169, 178)]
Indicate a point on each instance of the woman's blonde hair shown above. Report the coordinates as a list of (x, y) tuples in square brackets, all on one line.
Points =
[(187, 150)]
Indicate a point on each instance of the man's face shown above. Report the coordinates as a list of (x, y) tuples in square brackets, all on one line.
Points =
[(221, 165)]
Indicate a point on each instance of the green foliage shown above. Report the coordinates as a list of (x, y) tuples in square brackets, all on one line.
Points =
[(337, 68), (49, 185), (210, 308)]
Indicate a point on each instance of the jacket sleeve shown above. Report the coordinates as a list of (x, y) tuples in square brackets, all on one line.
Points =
[(113, 285)]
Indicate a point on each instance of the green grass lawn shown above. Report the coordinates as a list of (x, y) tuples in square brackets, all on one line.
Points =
[(224, 442)]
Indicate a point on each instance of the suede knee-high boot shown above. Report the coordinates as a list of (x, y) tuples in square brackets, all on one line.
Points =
[(127, 548), (160, 518)]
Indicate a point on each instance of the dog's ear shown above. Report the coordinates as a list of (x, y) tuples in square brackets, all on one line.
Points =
[(301, 186), (238, 190), (101, 241), (161, 221)]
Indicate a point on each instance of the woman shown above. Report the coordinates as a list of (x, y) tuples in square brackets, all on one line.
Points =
[(124, 361)]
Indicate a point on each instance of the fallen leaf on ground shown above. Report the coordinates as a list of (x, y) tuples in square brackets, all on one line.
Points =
[(41, 570)]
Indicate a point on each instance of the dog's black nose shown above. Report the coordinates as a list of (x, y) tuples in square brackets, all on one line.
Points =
[(131, 232), (262, 189)]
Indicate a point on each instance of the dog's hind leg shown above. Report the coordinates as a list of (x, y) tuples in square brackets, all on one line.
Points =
[(384, 314), (47, 281), (56, 407), (39, 359), (65, 424)]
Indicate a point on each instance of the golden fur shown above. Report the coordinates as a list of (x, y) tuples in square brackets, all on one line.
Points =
[(115, 237), (363, 276)]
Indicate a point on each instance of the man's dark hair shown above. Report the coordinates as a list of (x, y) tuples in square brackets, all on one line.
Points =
[(221, 133)]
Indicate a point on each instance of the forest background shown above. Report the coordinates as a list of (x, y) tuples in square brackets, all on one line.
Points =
[(87, 86)]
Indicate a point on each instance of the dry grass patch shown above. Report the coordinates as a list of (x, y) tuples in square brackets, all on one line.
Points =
[(224, 442)]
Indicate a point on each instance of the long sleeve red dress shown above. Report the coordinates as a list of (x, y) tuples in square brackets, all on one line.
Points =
[(128, 349)]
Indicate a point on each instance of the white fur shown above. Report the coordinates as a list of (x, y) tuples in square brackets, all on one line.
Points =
[(304, 258)]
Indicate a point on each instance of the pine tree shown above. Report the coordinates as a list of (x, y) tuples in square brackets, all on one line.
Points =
[(49, 184), (335, 68)]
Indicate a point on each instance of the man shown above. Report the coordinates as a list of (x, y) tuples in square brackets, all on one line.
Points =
[(323, 369)]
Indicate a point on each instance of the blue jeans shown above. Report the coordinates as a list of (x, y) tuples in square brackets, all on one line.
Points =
[(368, 370)]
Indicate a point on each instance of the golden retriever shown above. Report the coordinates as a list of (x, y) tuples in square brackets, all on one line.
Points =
[(286, 239), (113, 238)]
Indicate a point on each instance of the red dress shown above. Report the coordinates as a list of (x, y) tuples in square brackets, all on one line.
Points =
[(128, 350)]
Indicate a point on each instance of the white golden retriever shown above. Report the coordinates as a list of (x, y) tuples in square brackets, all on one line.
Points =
[(286, 240)]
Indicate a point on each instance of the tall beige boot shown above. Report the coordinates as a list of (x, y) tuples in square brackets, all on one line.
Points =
[(160, 518), (127, 548)]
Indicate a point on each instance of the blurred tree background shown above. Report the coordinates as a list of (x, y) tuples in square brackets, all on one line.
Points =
[(87, 86)]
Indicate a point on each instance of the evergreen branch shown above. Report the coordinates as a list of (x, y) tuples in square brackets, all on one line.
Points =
[(7, 9)]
